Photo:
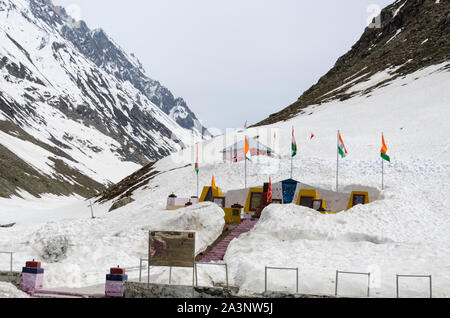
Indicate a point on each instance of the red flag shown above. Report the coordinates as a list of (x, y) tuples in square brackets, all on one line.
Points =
[(312, 136), (269, 191)]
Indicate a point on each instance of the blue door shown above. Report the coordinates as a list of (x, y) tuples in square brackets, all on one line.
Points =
[(288, 188)]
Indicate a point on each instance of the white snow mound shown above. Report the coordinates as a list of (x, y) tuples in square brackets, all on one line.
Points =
[(8, 290)]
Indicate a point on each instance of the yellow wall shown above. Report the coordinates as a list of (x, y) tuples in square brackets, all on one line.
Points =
[(215, 193), (350, 201), (307, 193), (230, 218), (247, 202)]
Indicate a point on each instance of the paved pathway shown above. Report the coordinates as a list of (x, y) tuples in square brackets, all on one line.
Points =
[(218, 252)]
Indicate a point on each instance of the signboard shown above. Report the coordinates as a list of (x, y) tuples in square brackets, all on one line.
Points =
[(175, 249)]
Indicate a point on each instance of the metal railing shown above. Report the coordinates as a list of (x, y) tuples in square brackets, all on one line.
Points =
[(283, 269), (142, 260), (352, 273), (415, 276), (10, 259), (213, 264)]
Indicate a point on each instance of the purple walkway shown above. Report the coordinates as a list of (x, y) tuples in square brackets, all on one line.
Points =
[(217, 252)]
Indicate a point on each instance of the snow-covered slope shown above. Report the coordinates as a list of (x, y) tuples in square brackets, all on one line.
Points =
[(61, 101), (404, 232)]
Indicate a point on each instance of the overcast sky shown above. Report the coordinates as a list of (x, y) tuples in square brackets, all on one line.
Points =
[(232, 60)]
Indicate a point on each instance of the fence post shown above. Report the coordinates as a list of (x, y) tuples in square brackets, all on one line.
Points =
[(297, 281), (431, 289), (140, 269), (336, 284), (368, 286), (226, 274), (265, 280), (397, 285), (196, 275), (11, 263)]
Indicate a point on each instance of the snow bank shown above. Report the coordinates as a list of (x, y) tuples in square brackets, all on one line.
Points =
[(373, 238), (79, 252), (8, 290)]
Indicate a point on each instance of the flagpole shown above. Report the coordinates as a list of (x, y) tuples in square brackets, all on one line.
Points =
[(245, 165), (292, 157), (337, 163), (292, 164), (197, 171), (382, 168)]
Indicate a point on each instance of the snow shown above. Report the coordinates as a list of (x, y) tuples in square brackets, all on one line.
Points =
[(110, 239), (404, 232), (7, 290), (399, 8), (395, 35), (362, 240)]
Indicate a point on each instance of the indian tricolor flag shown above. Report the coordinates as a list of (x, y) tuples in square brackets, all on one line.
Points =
[(196, 163), (247, 150), (341, 147), (294, 144), (384, 150)]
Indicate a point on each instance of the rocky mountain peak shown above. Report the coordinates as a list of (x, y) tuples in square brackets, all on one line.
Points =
[(76, 111)]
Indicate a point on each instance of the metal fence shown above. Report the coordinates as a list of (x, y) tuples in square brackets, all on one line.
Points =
[(338, 273), (415, 276), (282, 269), (214, 264), (351, 273), (10, 259), (144, 260)]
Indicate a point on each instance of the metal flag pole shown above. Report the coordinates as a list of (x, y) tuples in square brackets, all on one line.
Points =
[(382, 167), (245, 168), (197, 171), (292, 157), (292, 165), (337, 163)]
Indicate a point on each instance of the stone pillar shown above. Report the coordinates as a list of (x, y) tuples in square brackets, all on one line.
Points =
[(32, 277), (115, 282)]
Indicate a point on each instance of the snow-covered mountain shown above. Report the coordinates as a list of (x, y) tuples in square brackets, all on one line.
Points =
[(76, 111), (405, 231)]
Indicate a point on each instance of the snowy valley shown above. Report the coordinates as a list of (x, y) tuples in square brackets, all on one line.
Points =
[(406, 231)]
